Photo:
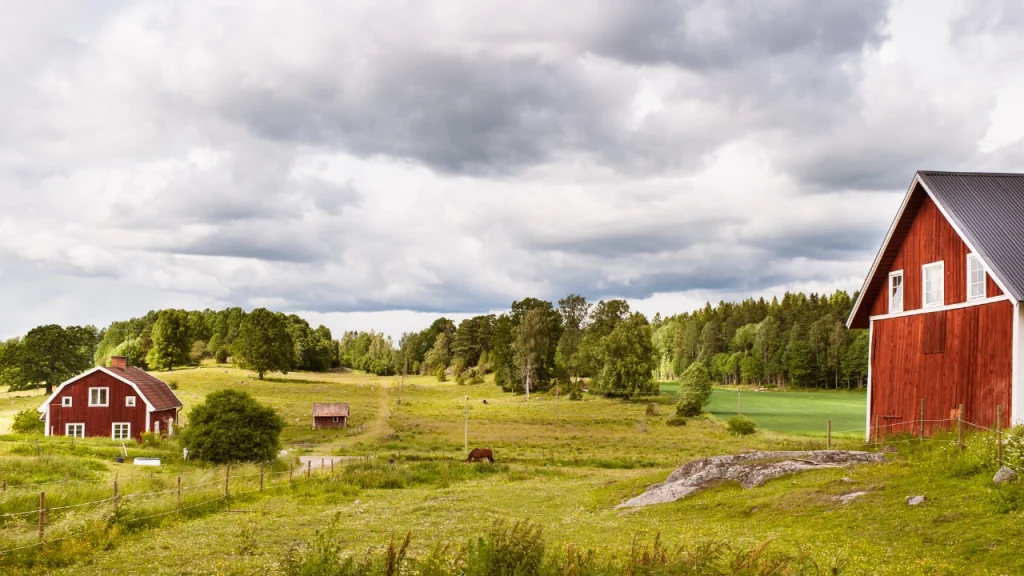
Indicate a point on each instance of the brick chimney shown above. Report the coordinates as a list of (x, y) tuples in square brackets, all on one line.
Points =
[(119, 362)]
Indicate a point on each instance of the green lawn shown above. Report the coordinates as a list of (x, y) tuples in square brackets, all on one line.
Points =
[(566, 474), (804, 413)]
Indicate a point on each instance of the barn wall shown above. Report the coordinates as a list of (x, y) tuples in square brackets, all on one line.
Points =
[(948, 357), (930, 238), (97, 419)]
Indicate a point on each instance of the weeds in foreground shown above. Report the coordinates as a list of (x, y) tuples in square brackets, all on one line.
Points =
[(519, 549)]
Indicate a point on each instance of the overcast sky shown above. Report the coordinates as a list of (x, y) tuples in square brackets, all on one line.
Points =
[(375, 164)]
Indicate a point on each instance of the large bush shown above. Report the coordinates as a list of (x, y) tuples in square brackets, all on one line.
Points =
[(27, 422), (694, 390), (231, 426), (740, 425)]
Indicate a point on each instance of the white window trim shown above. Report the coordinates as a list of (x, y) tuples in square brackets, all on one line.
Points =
[(113, 429), (924, 284), (106, 396), (65, 401), (903, 292), (129, 401), (335, 419), (984, 279), (67, 429)]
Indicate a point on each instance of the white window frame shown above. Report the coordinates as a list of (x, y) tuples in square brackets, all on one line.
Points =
[(113, 431), (334, 419), (129, 401), (903, 293), (924, 284), (78, 425), (106, 397), (65, 401), (972, 258)]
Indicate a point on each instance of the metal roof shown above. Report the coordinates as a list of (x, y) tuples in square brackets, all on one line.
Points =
[(988, 209)]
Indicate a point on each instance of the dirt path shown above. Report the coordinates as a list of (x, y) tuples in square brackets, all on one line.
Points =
[(378, 428)]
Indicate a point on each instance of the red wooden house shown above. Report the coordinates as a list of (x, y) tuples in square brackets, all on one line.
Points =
[(330, 415), (119, 402), (943, 305)]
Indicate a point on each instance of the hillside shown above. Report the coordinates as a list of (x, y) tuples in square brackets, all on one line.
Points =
[(565, 475)]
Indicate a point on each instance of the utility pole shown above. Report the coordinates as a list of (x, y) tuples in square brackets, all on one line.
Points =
[(467, 424)]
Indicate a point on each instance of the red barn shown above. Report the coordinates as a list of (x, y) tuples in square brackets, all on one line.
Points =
[(943, 304), (327, 415), (119, 402)]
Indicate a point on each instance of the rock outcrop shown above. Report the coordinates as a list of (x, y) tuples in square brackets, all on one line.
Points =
[(750, 470)]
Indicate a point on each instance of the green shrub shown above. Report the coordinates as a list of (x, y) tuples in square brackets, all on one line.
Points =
[(740, 425), (150, 439), (440, 375), (694, 390), (27, 422), (652, 409), (172, 384), (221, 356), (676, 420), (231, 426), (507, 550)]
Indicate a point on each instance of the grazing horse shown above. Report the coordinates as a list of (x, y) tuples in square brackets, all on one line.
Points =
[(479, 454)]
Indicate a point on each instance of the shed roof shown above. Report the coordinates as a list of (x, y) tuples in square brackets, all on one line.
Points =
[(986, 209), (325, 410)]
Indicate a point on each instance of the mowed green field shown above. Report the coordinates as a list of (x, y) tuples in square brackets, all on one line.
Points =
[(805, 413), (564, 468)]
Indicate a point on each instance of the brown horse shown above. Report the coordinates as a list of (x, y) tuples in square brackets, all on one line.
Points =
[(479, 454)]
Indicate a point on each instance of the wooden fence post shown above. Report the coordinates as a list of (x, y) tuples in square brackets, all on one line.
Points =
[(309, 468), (115, 489), (878, 431), (323, 464), (332, 465), (179, 493), (921, 418), (828, 436), (999, 435), (960, 426), (261, 476), (42, 513), (291, 472), (227, 481), (5, 487)]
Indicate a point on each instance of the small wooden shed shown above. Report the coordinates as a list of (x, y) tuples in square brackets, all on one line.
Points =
[(330, 415)]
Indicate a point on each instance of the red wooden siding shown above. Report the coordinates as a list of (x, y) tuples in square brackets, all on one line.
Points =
[(929, 238), (965, 357), (163, 417), (327, 422), (99, 420)]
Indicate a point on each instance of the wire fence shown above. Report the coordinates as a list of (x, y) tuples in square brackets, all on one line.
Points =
[(266, 483)]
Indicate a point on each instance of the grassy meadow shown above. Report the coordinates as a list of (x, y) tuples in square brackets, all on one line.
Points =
[(565, 471)]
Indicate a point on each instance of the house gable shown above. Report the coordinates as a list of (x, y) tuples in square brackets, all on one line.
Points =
[(920, 235)]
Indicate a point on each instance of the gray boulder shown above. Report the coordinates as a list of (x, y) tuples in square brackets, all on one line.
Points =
[(914, 500), (1004, 474), (750, 470)]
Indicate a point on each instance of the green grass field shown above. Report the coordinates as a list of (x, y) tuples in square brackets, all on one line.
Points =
[(566, 473), (804, 413)]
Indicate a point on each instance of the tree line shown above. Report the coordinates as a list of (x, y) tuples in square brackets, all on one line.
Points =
[(534, 346)]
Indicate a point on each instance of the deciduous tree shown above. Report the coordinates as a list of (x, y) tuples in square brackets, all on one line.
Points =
[(263, 344)]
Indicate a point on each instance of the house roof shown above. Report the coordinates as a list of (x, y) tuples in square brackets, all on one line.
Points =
[(155, 393), (154, 389), (986, 209), (326, 410)]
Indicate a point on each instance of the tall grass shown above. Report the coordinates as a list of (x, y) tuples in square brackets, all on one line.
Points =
[(520, 549)]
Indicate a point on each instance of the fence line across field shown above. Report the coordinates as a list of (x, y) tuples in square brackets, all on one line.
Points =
[(43, 509)]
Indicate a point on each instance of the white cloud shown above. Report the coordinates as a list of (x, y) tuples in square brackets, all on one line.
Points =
[(375, 165)]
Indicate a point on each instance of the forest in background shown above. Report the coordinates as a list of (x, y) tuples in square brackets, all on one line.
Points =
[(800, 340)]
